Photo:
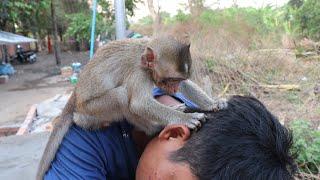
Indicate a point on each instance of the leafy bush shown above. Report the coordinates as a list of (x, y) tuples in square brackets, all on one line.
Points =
[(147, 20), (306, 146), (211, 17), (181, 16), (80, 26), (303, 18), (263, 20), (308, 17)]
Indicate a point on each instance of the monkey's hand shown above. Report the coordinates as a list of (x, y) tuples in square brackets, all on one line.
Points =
[(193, 92), (217, 104), (192, 121)]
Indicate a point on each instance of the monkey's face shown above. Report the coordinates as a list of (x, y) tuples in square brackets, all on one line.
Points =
[(170, 85), (169, 62), (173, 68), (168, 74)]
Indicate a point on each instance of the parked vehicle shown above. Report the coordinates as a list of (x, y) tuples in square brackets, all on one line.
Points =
[(25, 56)]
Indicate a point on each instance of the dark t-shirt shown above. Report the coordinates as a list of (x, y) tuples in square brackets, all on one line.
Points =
[(101, 154)]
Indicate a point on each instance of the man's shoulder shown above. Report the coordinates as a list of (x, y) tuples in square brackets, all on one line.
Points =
[(84, 137), (103, 150)]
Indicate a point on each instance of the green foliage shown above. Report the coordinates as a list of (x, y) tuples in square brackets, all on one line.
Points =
[(147, 20), (298, 17), (73, 17), (302, 18), (293, 97), (211, 17), (165, 17), (210, 64), (263, 20), (130, 6), (295, 3), (318, 111), (80, 24), (306, 146), (19, 16), (308, 17), (181, 16)]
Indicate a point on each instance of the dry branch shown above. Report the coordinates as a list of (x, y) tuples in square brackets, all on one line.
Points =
[(287, 87)]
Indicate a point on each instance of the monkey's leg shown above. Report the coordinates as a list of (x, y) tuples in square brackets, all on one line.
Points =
[(198, 96), (150, 109)]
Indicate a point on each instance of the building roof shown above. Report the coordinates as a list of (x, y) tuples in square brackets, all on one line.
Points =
[(10, 38)]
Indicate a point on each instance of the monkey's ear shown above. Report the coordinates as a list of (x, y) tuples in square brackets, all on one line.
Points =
[(148, 58)]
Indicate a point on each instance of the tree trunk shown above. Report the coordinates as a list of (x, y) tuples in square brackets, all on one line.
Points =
[(155, 17), (56, 47), (196, 7)]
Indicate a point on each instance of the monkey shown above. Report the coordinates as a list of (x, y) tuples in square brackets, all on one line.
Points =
[(117, 84)]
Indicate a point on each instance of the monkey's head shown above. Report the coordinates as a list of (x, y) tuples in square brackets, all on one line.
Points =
[(169, 62)]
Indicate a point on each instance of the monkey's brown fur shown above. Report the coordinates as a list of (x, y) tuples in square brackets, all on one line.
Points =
[(114, 86)]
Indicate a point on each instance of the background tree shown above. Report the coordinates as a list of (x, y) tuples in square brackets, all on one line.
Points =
[(196, 7), (308, 17), (156, 17), (80, 22), (295, 3), (34, 17), (55, 33)]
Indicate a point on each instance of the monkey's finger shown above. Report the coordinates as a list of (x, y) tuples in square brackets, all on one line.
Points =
[(220, 104), (203, 120), (196, 123), (191, 126)]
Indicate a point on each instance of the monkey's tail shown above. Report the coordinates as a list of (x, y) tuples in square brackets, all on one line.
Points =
[(60, 129)]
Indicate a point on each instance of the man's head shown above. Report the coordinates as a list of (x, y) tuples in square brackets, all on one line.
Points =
[(244, 141)]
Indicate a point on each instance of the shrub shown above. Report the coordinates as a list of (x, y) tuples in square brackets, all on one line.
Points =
[(306, 146), (181, 16), (308, 17)]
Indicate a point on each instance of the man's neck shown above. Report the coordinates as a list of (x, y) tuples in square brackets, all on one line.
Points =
[(139, 137)]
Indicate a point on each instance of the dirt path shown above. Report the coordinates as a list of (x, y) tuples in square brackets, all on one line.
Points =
[(33, 83), (20, 155)]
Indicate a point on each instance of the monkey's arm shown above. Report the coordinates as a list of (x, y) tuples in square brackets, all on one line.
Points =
[(193, 92), (147, 107)]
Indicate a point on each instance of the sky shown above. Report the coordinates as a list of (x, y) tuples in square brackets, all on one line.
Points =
[(171, 6)]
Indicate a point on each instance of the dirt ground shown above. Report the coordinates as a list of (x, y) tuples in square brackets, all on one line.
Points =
[(33, 83), (20, 155)]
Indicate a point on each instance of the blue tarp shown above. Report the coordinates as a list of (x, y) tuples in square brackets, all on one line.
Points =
[(6, 69)]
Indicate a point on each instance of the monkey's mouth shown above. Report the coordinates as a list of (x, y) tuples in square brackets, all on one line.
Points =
[(170, 85)]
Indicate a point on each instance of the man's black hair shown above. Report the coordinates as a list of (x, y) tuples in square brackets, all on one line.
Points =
[(244, 141)]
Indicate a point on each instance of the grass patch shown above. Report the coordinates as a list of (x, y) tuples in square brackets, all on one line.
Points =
[(293, 97)]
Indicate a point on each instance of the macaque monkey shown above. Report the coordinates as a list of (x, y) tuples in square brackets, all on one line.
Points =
[(117, 84)]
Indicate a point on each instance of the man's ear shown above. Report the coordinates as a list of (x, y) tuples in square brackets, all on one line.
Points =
[(177, 131), (148, 58)]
